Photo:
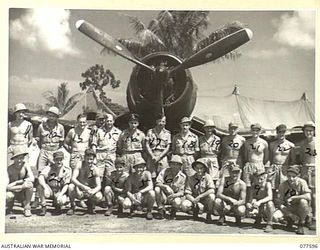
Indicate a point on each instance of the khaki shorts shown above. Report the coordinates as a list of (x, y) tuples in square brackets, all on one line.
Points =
[(250, 169)]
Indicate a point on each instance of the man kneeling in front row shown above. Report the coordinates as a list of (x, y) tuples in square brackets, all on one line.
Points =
[(170, 185), (86, 183), (294, 199), (139, 190), (231, 195), (199, 192)]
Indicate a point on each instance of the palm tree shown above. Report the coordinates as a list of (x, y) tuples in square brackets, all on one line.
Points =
[(178, 32), (61, 99)]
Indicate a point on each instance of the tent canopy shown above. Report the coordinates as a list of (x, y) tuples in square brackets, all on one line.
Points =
[(88, 103), (246, 111)]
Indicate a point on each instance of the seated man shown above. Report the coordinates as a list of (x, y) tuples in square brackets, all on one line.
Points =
[(170, 185), (231, 195), (199, 191), (54, 180), (20, 182), (260, 202), (115, 183), (86, 183), (294, 199), (139, 189)]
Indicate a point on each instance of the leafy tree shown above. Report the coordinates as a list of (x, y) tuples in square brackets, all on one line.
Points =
[(61, 99), (96, 77), (178, 32)]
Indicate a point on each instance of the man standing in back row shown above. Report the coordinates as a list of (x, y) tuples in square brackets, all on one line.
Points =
[(255, 155), (231, 148), (186, 145), (279, 155)]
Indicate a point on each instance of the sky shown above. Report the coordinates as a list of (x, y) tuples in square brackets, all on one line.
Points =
[(45, 49)]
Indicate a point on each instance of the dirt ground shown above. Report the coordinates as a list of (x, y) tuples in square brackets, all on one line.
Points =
[(81, 222)]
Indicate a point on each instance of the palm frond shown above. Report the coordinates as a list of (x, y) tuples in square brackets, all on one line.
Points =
[(72, 101), (219, 34), (133, 46)]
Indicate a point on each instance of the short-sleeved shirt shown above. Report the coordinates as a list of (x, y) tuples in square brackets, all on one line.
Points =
[(209, 146), (286, 190), (136, 183), (177, 183), (131, 142), (158, 141), (187, 145), (50, 139), (106, 140), (196, 186), (79, 142), (117, 180), (53, 173), (87, 175)]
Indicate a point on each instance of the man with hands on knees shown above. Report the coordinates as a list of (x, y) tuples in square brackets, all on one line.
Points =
[(170, 185), (294, 199), (139, 190), (231, 195), (260, 201), (86, 183), (199, 191), (19, 182), (54, 180)]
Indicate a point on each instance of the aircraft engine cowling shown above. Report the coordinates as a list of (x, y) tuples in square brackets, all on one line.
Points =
[(179, 91)]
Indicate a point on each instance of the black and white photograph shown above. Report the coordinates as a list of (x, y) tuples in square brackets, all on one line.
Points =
[(197, 122)]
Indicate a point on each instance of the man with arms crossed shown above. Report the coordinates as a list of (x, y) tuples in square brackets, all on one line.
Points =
[(231, 195)]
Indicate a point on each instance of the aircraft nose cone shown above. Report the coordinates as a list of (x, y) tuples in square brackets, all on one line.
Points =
[(78, 23), (249, 33)]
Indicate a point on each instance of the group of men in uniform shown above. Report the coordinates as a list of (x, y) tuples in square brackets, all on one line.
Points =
[(131, 170)]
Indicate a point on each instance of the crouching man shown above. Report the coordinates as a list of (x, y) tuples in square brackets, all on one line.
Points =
[(86, 183), (114, 192), (170, 185), (20, 182), (199, 191), (294, 199), (231, 195), (260, 202), (139, 189), (54, 180)]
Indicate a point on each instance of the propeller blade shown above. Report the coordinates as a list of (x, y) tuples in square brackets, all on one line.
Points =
[(108, 41), (216, 49)]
